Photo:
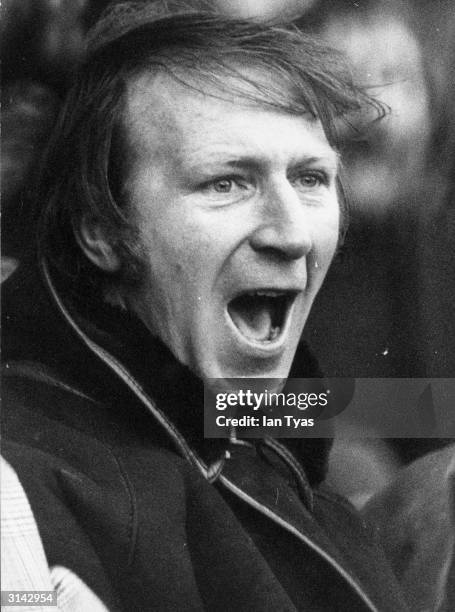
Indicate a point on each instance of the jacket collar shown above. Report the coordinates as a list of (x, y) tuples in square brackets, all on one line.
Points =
[(150, 372)]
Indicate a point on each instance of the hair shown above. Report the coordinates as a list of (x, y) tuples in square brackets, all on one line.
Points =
[(87, 158)]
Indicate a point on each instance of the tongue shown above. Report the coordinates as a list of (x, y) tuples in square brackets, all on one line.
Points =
[(254, 320)]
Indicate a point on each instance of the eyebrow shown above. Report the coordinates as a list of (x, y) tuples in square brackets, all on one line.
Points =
[(257, 164)]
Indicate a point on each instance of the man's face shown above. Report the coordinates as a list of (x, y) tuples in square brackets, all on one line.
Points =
[(386, 57), (238, 216)]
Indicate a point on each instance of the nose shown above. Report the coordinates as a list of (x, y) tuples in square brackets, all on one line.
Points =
[(283, 230)]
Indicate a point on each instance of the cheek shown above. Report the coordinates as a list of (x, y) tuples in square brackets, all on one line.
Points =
[(163, 258), (205, 241), (182, 257), (325, 241)]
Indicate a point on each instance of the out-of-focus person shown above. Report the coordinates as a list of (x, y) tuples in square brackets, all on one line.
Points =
[(42, 41), (29, 112), (385, 167)]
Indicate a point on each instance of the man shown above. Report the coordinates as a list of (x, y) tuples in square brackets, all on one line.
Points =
[(191, 211)]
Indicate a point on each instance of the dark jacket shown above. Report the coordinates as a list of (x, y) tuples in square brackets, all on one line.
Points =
[(105, 431)]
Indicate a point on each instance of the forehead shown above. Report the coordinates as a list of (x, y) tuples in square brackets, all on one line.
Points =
[(166, 117)]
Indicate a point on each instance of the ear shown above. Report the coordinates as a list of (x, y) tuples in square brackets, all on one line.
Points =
[(92, 239)]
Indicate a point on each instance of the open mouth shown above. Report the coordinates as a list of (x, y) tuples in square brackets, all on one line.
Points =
[(261, 315)]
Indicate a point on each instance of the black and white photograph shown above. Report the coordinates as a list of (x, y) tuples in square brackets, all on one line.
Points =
[(228, 306)]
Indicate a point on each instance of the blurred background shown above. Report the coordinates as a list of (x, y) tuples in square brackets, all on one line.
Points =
[(387, 308)]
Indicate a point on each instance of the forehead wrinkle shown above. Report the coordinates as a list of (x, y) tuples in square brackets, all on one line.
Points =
[(190, 133), (235, 148)]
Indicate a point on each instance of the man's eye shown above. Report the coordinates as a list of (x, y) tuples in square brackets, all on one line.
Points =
[(310, 180), (226, 185), (223, 185)]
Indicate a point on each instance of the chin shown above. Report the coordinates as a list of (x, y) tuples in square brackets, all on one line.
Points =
[(241, 366)]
